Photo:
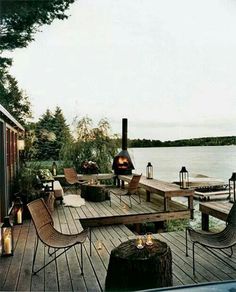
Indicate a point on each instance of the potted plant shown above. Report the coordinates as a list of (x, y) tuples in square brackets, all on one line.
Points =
[(27, 187), (89, 167)]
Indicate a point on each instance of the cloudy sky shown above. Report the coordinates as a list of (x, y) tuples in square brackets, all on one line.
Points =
[(168, 66)]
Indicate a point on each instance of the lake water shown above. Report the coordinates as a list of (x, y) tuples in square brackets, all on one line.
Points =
[(213, 161)]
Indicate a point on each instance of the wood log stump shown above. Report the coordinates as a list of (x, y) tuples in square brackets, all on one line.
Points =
[(94, 193), (131, 268)]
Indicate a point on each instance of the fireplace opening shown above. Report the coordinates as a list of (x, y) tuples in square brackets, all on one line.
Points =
[(122, 162)]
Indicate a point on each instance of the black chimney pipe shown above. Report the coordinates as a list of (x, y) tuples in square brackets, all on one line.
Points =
[(124, 134)]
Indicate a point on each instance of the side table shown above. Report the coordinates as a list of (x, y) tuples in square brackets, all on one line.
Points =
[(131, 268)]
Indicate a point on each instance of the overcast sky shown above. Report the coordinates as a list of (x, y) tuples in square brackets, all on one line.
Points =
[(168, 66)]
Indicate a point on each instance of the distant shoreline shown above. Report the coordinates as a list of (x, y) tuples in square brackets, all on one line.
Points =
[(179, 146), (205, 141)]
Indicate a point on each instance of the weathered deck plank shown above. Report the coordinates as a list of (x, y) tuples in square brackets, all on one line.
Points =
[(15, 266), (185, 263), (38, 282), (205, 258), (24, 282)]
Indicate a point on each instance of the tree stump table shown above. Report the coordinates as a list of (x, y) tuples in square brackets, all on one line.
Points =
[(94, 193), (131, 268)]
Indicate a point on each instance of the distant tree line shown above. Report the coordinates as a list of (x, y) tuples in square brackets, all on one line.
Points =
[(205, 141)]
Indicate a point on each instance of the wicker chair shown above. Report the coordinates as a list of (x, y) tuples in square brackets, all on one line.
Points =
[(225, 239), (50, 237), (71, 178), (130, 191)]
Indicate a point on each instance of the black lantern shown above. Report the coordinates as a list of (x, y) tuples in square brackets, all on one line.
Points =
[(232, 182), (18, 211), (54, 169), (149, 171), (7, 237), (183, 178)]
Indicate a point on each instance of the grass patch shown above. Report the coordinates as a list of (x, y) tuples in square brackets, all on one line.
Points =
[(176, 225)]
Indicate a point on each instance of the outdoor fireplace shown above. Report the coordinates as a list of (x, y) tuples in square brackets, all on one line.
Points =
[(122, 163)]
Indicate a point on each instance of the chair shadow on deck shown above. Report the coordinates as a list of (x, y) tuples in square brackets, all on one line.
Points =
[(50, 237), (221, 241)]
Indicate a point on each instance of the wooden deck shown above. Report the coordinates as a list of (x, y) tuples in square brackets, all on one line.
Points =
[(64, 274), (94, 214)]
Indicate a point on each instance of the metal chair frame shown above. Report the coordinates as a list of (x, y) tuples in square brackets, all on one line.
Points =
[(52, 238), (130, 191), (221, 241)]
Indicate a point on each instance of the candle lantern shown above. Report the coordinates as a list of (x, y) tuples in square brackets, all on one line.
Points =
[(54, 168), (149, 171), (18, 211), (140, 242), (7, 237), (149, 238), (183, 178), (232, 183)]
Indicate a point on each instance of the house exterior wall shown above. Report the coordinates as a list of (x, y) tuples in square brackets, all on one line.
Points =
[(9, 159), (3, 170)]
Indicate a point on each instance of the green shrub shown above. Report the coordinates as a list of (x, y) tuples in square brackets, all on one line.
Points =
[(176, 225)]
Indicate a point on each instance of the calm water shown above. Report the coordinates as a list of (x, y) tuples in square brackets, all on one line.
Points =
[(214, 161)]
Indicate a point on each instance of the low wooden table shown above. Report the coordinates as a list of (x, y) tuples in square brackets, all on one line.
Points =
[(94, 193), (131, 268)]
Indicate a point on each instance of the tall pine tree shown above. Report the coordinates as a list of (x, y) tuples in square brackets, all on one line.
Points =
[(52, 134), (45, 136), (61, 130)]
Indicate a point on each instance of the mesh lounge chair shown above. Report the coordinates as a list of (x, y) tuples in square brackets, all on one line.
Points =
[(130, 191), (72, 178), (50, 237), (223, 240)]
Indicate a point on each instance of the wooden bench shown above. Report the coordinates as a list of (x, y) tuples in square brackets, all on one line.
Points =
[(165, 189), (219, 210), (88, 177)]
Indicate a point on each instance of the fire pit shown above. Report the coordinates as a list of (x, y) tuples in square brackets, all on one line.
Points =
[(122, 163)]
